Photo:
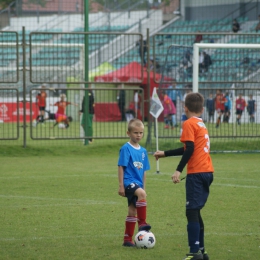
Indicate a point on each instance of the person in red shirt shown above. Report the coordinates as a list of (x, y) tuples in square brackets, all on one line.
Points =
[(240, 107), (62, 104), (219, 105), (41, 103), (169, 111), (196, 154)]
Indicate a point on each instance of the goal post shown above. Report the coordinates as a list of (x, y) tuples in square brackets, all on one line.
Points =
[(198, 46)]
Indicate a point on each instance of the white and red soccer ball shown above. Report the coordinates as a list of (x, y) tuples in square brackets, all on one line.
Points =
[(145, 239)]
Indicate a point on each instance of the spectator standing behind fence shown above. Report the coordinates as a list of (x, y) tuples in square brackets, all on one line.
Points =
[(154, 65), (219, 105), (210, 106), (198, 38), (121, 101), (142, 50), (174, 94), (201, 60), (41, 103), (206, 62), (228, 106), (240, 107), (235, 26), (91, 111), (169, 112), (137, 103), (251, 108)]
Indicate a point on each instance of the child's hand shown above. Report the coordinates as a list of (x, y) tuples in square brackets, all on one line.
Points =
[(121, 191), (159, 154), (176, 177)]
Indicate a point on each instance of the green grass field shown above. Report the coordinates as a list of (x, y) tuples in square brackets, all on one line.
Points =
[(62, 203)]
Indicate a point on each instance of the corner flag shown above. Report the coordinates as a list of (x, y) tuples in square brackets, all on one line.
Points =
[(156, 105)]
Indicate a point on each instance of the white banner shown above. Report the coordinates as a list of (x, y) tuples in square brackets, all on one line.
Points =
[(156, 105)]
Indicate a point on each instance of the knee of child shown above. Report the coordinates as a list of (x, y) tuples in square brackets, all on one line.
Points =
[(141, 194)]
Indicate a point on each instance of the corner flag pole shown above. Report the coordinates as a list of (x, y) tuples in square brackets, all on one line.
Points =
[(156, 109), (157, 144)]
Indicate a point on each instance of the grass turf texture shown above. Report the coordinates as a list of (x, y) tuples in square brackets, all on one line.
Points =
[(62, 203)]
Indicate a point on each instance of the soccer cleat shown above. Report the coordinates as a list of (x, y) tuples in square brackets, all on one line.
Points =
[(205, 256), (145, 227), (128, 244), (194, 256), (166, 127)]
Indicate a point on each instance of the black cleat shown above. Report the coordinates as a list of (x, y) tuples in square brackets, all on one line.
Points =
[(194, 256), (128, 244), (145, 227)]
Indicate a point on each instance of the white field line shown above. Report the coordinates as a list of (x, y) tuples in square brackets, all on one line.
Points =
[(153, 179), (27, 206), (85, 201), (150, 177), (117, 235)]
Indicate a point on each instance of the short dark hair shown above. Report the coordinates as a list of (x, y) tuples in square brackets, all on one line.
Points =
[(194, 102)]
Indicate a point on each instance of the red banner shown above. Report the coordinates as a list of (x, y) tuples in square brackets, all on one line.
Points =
[(9, 112)]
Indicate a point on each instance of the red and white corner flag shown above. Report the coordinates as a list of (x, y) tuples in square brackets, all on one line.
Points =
[(156, 105)]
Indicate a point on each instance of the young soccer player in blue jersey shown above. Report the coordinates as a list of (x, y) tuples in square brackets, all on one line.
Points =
[(132, 166)]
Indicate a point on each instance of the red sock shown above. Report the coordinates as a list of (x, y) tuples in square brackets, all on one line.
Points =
[(141, 211), (129, 228)]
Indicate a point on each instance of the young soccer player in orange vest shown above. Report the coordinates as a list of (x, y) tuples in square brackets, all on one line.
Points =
[(195, 154)]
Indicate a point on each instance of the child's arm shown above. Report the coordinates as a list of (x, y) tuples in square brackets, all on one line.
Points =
[(184, 160), (175, 152), (121, 190)]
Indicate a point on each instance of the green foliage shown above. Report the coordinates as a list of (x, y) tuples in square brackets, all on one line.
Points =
[(63, 204)]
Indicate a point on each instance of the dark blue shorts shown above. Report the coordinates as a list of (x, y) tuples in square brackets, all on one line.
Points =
[(197, 189), (129, 193)]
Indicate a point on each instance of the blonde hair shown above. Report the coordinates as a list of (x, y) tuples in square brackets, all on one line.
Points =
[(63, 96), (135, 123)]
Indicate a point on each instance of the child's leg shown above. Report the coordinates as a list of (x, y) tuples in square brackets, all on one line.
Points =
[(130, 224), (173, 120), (219, 119), (141, 209), (202, 249), (193, 229)]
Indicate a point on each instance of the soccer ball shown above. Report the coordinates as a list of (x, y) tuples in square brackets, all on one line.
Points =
[(61, 125), (145, 239)]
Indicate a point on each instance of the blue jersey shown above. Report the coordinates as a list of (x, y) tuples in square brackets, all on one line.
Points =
[(251, 106), (135, 162)]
